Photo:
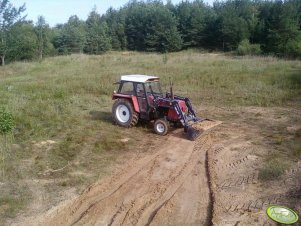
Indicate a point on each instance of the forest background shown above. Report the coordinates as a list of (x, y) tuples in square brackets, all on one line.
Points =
[(245, 27)]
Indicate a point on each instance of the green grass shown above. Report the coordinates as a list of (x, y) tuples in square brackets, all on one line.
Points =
[(46, 97), (273, 169), (68, 99)]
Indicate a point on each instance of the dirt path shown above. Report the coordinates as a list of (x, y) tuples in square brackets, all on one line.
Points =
[(168, 188), (212, 181), (239, 197)]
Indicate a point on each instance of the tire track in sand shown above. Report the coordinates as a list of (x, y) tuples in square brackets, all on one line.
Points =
[(169, 187)]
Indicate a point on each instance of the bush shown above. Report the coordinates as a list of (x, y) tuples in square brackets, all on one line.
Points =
[(6, 122), (294, 49), (245, 48)]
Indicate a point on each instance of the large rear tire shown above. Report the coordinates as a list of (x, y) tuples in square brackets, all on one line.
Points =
[(161, 126), (124, 114)]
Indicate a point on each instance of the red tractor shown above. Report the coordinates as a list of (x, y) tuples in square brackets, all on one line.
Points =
[(139, 97)]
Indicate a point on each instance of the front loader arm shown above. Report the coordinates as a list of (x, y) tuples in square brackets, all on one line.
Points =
[(187, 102), (191, 132), (181, 115)]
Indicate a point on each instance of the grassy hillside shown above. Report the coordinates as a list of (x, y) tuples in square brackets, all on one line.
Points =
[(62, 105)]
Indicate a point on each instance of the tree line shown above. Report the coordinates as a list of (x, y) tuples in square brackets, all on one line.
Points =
[(245, 26)]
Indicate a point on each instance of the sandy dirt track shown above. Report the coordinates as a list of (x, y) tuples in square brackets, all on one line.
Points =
[(168, 188), (211, 181)]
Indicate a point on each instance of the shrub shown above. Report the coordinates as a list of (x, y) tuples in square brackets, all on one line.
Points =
[(6, 122), (246, 48), (294, 49)]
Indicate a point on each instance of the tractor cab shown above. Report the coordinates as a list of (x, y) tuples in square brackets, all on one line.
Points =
[(142, 90)]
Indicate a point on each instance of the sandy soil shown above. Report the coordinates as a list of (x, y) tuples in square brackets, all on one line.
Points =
[(239, 197), (211, 181), (148, 191)]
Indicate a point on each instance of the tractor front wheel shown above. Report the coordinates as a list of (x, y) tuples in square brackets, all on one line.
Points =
[(124, 114), (161, 127)]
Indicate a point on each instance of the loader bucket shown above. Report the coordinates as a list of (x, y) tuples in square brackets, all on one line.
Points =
[(192, 133), (195, 130)]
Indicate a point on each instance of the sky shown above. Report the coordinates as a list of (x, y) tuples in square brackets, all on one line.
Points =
[(58, 11)]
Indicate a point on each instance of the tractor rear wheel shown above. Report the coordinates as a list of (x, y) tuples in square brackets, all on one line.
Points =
[(161, 126), (123, 113)]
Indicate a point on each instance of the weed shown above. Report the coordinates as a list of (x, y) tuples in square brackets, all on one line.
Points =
[(63, 153), (11, 203), (109, 144), (59, 94), (272, 170), (7, 125), (6, 122), (295, 147), (278, 139)]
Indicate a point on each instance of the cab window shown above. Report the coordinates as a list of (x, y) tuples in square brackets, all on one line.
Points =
[(127, 88), (153, 88), (140, 90)]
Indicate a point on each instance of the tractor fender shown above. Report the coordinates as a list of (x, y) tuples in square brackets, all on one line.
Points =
[(135, 103), (131, 98)]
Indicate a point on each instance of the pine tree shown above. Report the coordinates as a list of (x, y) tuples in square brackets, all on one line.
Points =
[(152, 27), (193, 18), (75, 34), (116, 23), (98, 39), (238, 20), (283, 28), (70, 37)]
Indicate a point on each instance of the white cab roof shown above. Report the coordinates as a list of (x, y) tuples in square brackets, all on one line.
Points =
[(138, 78)]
